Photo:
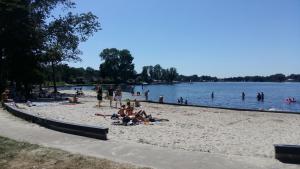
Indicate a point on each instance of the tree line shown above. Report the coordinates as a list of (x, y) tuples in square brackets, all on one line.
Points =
[(71, 75), (271, 78), (149, 74)]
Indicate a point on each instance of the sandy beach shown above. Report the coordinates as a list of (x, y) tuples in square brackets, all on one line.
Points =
[(250, 134)]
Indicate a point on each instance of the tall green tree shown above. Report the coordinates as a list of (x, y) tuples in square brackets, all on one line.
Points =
[(150, 73), (20, 43), (64, 35), (27, 41), (145, 75), (157, 72), (172, 74), (126, 66), (117, 66)]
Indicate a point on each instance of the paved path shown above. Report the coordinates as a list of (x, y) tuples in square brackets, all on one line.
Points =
[(138, 154)]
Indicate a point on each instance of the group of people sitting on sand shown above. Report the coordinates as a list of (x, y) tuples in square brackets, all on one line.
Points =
[(128, 116)]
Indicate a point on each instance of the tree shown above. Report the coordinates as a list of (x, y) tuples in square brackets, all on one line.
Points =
[(277, 78), (172, 74), (117, 66), (157, 72), (126, 67), (20, 43), (27, 41), (65, 34), (145, 75)]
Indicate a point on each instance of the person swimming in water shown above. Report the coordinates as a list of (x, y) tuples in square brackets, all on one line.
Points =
[(181, 100), (243, 96), (262, 96), (258, 97)]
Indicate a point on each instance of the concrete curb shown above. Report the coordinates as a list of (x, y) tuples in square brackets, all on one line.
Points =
[(71, 128), (287, 153)]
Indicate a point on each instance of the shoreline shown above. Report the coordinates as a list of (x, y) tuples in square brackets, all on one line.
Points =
[(141, 98), (222, 108)]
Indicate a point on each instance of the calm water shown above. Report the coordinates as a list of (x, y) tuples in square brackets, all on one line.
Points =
[(229, 94)]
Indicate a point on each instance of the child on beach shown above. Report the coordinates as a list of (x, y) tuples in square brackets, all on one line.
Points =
[(110, 95), (118, 96), (99, 95)]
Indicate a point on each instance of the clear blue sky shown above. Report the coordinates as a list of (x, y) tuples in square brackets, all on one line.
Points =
[(220, 38)]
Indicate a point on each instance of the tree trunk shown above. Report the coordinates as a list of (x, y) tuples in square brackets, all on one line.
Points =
[(2, 80), (27, 92), (54, 79)]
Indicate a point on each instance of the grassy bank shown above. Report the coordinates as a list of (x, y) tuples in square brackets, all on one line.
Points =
[(15, 155)]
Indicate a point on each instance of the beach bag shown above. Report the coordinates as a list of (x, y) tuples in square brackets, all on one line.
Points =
[(114, 117)]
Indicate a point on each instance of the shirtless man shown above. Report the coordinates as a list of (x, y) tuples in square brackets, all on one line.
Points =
[(122, 111)]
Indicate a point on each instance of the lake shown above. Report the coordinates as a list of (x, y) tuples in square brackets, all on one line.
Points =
[(229, 94)]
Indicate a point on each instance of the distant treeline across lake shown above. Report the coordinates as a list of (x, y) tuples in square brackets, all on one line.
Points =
[(229, 94)]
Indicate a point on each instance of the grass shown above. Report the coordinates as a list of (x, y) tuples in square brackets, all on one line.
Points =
[(15, 155)]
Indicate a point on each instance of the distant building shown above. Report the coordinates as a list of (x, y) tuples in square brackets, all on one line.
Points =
[(290, 80)]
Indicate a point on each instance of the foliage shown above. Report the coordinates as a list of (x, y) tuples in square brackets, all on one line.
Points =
[(117, 66), (65, 33), (20, 43), (72, 75), (272, 78), (30, 38), (157, 73)]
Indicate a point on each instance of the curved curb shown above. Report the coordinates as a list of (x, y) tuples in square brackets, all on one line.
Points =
[(71, 128), (223, 108), (287, 153)]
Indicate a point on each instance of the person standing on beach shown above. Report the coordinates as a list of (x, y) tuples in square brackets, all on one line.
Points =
[(147, 94), (99, 95), (212, 95), (132, 90), (118, 96), (110, 95)]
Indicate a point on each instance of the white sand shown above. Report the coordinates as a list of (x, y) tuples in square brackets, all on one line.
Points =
[(194, 129)]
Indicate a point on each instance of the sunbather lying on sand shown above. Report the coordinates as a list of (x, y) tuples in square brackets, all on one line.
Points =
[(73, 99), (128, 116)]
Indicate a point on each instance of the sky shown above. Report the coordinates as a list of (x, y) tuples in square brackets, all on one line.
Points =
[(222, 38)]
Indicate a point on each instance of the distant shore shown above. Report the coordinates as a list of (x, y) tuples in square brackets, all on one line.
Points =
[(166, 83)]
